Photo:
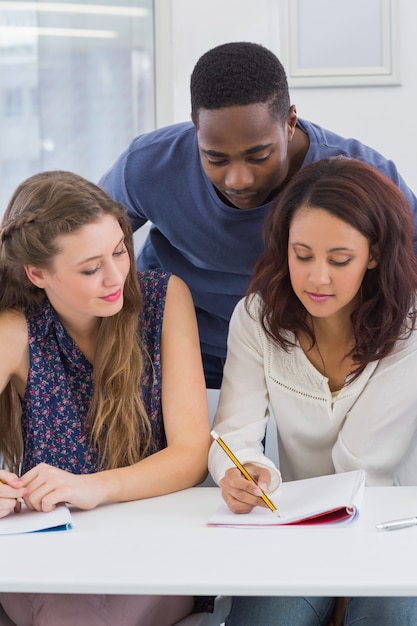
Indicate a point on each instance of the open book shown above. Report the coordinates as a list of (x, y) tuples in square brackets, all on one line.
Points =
[(336, 498), (34, 521)]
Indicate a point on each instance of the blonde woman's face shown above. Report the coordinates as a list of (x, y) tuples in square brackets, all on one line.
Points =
[(89, 273), (327, 261)]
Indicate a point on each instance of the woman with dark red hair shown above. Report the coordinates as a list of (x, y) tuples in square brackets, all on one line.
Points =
[(326, 337)]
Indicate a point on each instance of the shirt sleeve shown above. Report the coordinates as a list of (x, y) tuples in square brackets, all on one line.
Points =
[(243, 409), (114, 183), (389, 169)]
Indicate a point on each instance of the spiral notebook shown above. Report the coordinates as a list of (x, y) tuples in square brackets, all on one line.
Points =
[(331, 499), (36, 521)]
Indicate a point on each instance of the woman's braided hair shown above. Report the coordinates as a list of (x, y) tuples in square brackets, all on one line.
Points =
[(43, 208)]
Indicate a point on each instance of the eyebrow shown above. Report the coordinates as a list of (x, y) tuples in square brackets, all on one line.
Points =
[(249, 151), (93, 258), (337, 249)]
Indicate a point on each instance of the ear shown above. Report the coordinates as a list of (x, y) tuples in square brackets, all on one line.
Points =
[(36, 275), (291, 121), (373, 258)]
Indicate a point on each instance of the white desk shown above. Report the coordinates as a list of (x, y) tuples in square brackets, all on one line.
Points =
[(163, 546)]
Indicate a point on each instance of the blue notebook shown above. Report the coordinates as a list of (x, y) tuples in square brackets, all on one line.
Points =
[(35, 521)]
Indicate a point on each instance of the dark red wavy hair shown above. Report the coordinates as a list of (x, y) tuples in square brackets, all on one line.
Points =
[(361, 196)]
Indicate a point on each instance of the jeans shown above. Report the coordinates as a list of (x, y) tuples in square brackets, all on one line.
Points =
[(316, 611)]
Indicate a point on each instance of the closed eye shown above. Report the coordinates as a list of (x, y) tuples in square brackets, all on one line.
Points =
[(217, 163), (340, 263), (92, 271), (120, 252), (259, 159)]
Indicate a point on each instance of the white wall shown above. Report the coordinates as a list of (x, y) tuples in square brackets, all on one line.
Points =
[(383, 117)]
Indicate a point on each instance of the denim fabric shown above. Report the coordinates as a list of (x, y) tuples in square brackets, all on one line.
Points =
[(381, 612), (280, 611), (316, 611)]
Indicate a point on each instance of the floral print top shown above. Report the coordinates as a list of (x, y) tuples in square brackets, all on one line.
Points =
[(60, 384)]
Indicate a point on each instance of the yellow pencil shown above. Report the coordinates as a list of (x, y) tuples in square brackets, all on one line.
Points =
[(17, 499), (244, 471)]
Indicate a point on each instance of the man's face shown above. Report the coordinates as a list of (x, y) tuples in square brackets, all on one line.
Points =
[(244, 152)]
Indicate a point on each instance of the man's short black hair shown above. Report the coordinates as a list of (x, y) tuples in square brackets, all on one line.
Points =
[(238, 74)]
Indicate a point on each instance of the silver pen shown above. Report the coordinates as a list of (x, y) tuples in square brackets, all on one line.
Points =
[(396, 524)]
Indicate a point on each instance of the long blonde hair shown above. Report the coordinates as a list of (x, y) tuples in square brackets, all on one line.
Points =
[(42, 208)]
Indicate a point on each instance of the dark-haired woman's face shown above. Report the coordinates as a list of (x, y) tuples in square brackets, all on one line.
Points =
[(327, 260), (244, 153)]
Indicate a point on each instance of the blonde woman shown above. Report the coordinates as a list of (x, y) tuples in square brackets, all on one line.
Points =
[(93, 405)]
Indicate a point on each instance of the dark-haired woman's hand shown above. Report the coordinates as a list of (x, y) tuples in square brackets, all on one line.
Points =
[(240, 495)]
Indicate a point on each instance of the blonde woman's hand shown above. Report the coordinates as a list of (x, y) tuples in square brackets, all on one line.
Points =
[(12, 491), (240, 495), (47, 486)]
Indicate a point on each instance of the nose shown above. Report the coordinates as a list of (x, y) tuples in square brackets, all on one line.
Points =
[(239, 177), (113, 275), (319, 273)]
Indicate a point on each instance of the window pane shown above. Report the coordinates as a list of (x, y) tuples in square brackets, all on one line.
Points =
[(76, 85)]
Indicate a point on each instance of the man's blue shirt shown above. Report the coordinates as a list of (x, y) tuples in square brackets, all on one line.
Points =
[(194, 234)]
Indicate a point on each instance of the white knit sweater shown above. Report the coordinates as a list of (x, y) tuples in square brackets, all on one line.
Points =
[(371, 424)]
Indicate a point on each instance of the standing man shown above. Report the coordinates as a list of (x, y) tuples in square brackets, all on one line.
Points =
[(207, 185)]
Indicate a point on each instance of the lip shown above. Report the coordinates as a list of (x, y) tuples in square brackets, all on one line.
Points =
[(112, 297), (318, 297), (244, 200)]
